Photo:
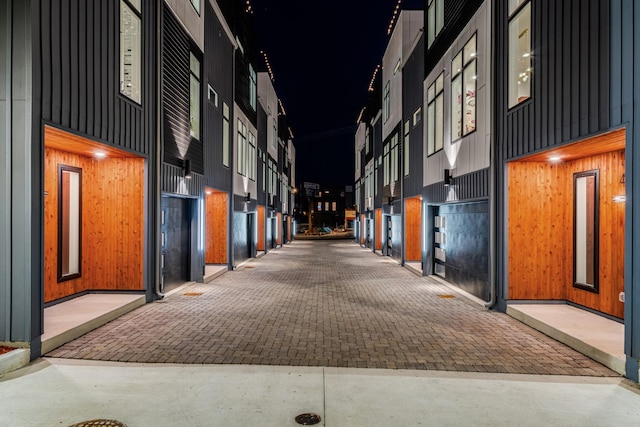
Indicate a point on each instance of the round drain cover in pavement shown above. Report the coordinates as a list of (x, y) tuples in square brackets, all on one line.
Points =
[(308, 419), (102, 423)]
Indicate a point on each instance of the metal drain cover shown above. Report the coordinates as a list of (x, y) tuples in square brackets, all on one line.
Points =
[(308, 419), (104, 423)]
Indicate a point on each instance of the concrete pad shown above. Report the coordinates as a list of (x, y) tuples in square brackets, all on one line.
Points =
[(71, 319), (595, 336)]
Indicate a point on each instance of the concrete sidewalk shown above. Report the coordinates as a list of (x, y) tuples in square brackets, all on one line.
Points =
[(56, 392)]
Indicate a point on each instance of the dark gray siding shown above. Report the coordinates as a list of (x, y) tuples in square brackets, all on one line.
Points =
[(624, 100), (218, 73), (570, 81), (262, 166), (79, 72), (412, 98), (177, 141), (471, 186)]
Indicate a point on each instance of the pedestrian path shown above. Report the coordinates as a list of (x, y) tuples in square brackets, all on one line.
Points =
[(57, 392)]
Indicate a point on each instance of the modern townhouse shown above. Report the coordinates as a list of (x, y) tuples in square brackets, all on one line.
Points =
[(406, 31), (219, 56), (368, 143), (566, 131), (182, 177), (458, 133), (267, 158), (245, 113), (79, 155)]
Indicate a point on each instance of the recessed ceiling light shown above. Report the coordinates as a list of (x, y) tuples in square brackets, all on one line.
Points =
[(100, 154), (555, 159)]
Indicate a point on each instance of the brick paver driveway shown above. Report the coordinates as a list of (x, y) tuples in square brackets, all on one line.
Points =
[(328, 303)]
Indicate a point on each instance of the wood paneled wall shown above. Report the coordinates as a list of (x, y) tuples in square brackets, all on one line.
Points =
[(362, 228), (217, 213), (540, 232), (261, 228), (112, 224), (279, 225), (379, 229), (413, 229)]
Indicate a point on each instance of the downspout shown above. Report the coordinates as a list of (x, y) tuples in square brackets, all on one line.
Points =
[(402, 201), (231, 204), (493, 286), (158, 157)]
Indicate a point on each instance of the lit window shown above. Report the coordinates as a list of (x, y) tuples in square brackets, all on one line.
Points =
[(225, 134), (405, 148), (520, 55), (417, 116), (242, 148), (435, 18), (213, 96), (463, 91), (196, 5), (194, 98), (435, 116), (70, 222), (131, 49), (252, 157), (253, 88), (386, 108)]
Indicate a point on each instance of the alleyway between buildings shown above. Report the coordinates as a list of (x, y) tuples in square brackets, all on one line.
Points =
[(330, 304)]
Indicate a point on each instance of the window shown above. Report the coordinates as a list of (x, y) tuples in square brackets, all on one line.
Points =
[(252, 157), (463, 91), (435, 116), (326, 206), (367, 139), (225, 134), (334, 206), (195, 4), (435, 18), (417, 116), (194, 97), (213, 96), (69, 222), (519, 54), (253, 88), (242, 148), (394, 158), (261, 156), (274, 137), (131, 49), (386, 170), (405, 148), (386, 107)]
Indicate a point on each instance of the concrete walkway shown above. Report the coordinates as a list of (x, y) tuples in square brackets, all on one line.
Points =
[(56, 392)]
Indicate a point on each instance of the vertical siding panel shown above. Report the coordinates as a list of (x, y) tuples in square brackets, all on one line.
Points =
[(566, 69), (91, 80), (556, 97), (97, 68), (594, 62), (56, 66), (74, 51), (583, 71), (45, 40), (574, 70), (550, 60), (540, 79), (604, 66), (110, 51), (65, 76), (82, 66), (106, 70)]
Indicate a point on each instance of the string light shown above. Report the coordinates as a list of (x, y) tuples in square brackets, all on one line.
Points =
[(373, 79), (268, 64), (249, 8), (396, 12), (282, 112)]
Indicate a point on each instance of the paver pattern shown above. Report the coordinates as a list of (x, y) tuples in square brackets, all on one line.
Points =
[(334, 304)]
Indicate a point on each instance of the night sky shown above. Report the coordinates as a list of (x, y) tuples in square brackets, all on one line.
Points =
[(323, 55)]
